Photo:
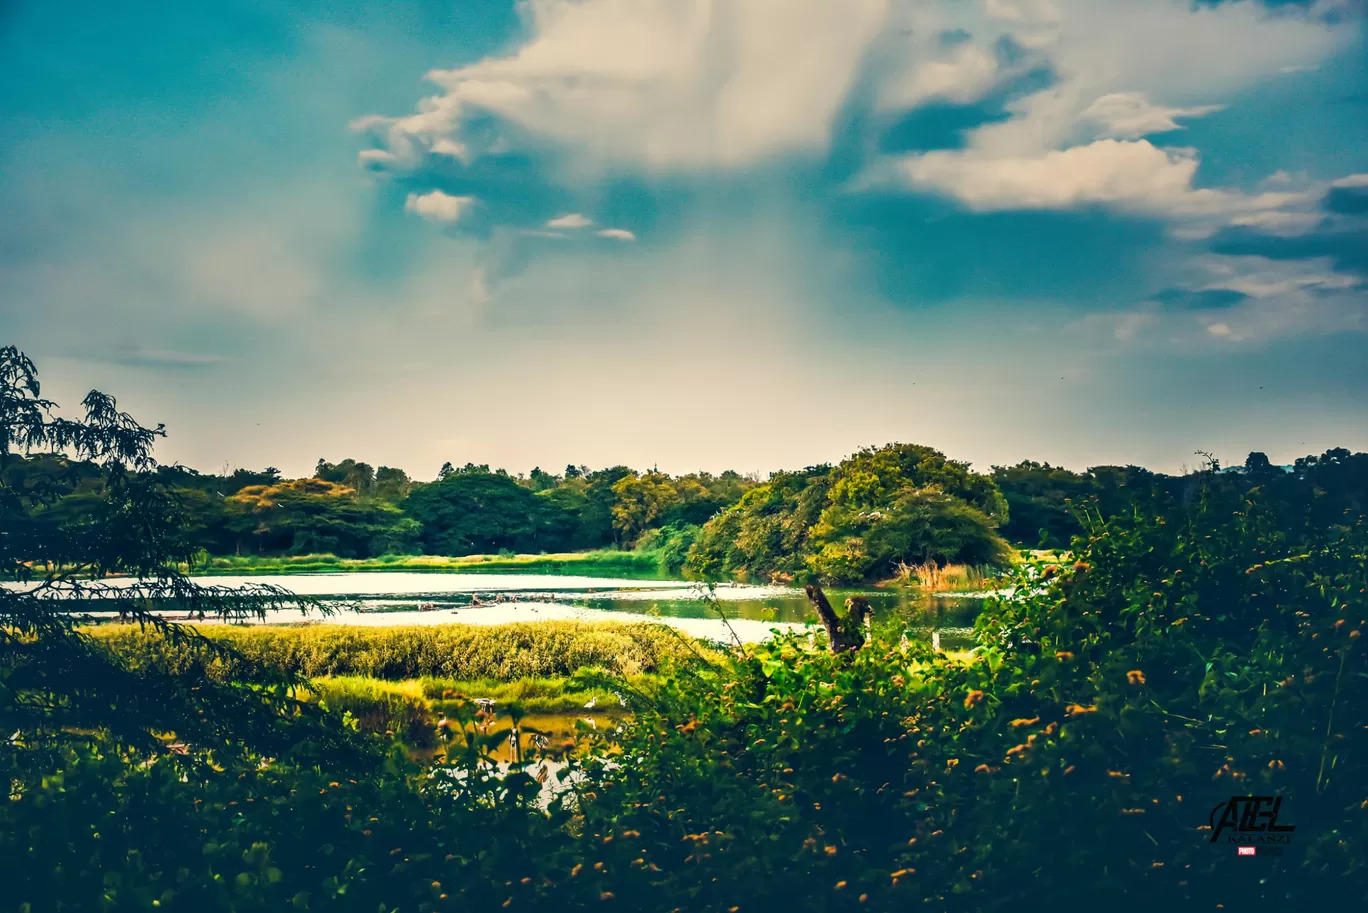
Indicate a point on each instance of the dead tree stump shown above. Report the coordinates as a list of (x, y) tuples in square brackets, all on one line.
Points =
[(843, 634)]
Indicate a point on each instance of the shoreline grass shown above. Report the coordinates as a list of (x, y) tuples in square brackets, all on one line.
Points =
[(456, 652), (943, 578), (410, 708)]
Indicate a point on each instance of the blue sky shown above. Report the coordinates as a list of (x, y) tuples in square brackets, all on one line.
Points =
[(752, 234)]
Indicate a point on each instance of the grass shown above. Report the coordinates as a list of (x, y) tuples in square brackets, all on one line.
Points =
[(534, 695), (943, 578), (409, 708), (398, 679), (458, 653), (603, 563)]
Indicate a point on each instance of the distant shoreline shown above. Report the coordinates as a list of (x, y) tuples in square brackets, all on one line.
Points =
[(607, 563)]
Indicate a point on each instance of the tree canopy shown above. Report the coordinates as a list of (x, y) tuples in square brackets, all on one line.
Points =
[(859, 520)]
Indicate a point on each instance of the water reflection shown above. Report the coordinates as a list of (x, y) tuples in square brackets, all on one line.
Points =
[(752, 612)]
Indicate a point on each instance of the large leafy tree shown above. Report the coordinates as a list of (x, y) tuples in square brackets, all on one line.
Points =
[(858, 520), (1043, 502), (311, 515), (470, 513), (120, 555)]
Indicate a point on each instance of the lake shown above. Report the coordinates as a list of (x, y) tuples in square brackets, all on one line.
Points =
[(388, 598)]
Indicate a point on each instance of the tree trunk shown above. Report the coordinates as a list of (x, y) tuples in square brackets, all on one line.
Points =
[(840, 637)]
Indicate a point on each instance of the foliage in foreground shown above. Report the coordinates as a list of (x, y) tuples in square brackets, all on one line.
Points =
[(1073, 764), (56, 685)]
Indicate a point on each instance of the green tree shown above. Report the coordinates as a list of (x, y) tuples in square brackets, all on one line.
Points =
[(857, 520), (359, 477), (309, 516), (56, 685), (1043, 502), (473, 512), (640, 501), (596, 520)]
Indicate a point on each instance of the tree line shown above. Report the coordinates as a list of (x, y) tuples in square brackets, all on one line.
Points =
[(877, 512)]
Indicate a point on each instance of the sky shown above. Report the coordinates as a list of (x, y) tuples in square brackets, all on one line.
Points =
[(693, 234)]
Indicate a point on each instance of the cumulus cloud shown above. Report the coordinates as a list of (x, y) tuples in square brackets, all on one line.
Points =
[(1134, 175), (1122, 71), (619, 234), (655, 83), (1132, 115), (570, 220), (437, 206), (961, 74)]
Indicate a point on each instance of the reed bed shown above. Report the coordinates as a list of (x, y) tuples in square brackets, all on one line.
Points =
[(458, 653)]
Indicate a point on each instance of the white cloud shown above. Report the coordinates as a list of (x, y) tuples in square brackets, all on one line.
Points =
[(1134, 175), (451, 148), (1260, 277), (375, 157), (657, 83), (620, 234), (1279, 222), (963, 74), (1353, 180), (1123, 70), (570, 220), (1022, 10), (1218, 329), (1131, 115), (437, 206)]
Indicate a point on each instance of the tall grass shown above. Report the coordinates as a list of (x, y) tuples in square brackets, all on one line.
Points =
[(377, 706), (937, 577), (500, 653)]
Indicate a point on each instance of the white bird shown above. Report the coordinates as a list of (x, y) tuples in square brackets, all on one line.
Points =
[(903, 643), (590, 721), (593, 702), (935, 641), (622, 701)]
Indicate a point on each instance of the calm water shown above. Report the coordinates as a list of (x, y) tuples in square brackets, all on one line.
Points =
[(752, 612)]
